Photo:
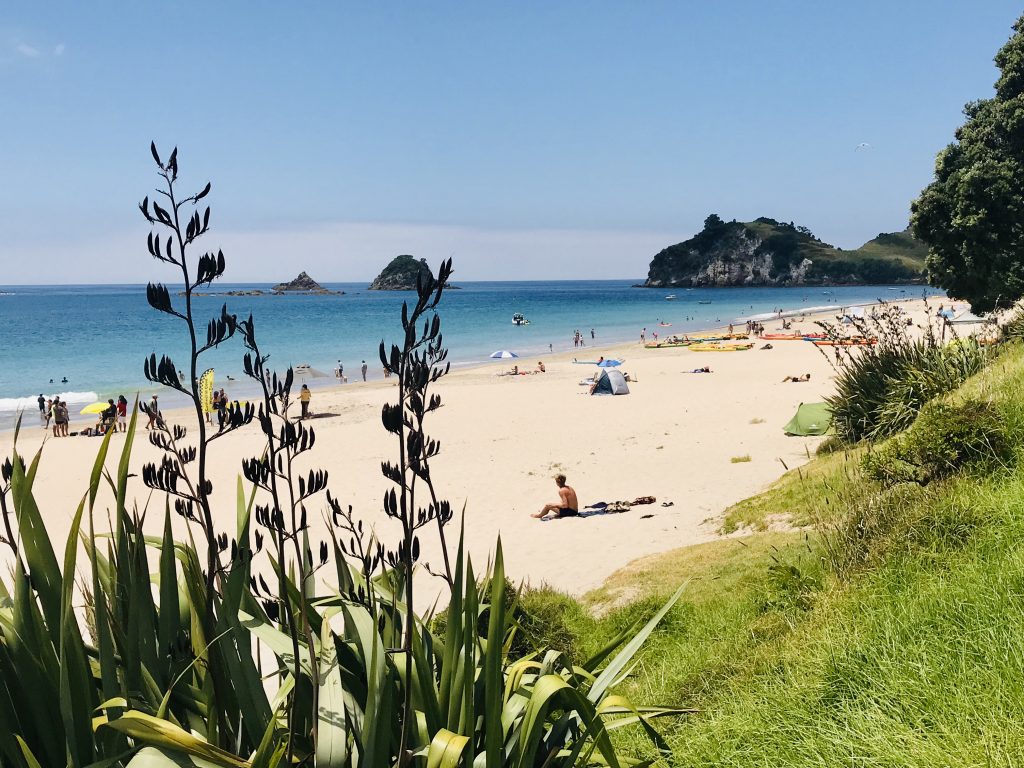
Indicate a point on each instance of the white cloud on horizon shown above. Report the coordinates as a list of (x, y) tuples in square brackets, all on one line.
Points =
[(27, 50), (356, 251), (58, 50)]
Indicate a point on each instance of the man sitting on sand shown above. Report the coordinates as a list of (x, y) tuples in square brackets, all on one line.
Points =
[(567, 506), (805, 377), (540, 366)]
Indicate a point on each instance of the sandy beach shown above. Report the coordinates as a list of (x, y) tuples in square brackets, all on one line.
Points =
[(504, 437)]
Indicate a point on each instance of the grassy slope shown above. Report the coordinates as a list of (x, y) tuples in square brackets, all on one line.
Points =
[(891, 636), (897, 246)]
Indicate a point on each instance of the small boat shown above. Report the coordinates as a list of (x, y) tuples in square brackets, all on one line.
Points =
[(706, 301), (518, 319), (671, 297), (664, 325)]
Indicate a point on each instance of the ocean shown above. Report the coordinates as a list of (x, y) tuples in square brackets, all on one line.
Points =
[(88, 342)]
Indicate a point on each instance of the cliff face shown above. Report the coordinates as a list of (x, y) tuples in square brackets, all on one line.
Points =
[(767, 252), (400, 274)]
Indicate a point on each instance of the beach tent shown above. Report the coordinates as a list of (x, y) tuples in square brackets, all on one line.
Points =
[(852, 313), (809, 419), (967, 318), (612, 382)]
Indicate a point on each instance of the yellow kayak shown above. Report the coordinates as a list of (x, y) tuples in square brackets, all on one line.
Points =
[(721, 347)]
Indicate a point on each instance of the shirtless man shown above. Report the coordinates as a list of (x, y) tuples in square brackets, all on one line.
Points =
[(567, 506)]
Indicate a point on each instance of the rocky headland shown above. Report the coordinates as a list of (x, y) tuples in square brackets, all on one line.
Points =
[(773, 253)]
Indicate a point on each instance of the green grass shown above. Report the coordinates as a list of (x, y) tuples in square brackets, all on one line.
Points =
[(890, 636), (799, 495)]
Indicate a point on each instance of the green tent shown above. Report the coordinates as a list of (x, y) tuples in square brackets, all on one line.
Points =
[(810, 419)]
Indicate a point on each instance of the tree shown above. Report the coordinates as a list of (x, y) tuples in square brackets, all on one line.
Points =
[(970, 216), (712, 222)]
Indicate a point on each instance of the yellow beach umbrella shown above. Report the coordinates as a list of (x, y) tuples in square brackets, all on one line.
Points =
[(95, 408)]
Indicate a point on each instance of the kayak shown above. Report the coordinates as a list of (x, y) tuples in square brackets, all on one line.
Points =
[(844, 342), (665, 344), (721, 347), (792, 336), (719, 337)]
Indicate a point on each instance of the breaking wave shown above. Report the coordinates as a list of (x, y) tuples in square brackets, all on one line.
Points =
[(31, 402)]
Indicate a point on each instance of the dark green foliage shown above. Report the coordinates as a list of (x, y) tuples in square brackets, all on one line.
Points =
[(401, 274), (944, 439), (543, 618), (970, 214), (869, 269)]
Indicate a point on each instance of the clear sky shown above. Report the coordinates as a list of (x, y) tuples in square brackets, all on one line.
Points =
[(529, 140)]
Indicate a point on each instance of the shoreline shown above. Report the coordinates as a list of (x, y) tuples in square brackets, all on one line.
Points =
[(246, 388)]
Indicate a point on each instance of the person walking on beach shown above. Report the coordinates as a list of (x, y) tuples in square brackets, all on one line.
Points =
[(154, 413), (122, 413), (363, 369), (566, 506), (643, 334), (304, 397), (42, 404), (340, 372), (591, 334)]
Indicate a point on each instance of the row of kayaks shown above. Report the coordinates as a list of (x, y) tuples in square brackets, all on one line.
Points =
[(714, 343)]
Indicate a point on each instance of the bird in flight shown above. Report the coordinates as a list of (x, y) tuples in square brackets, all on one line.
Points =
[(862, 145)]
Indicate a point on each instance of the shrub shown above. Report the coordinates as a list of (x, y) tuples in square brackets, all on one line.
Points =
[(881, 389), (943, 440)]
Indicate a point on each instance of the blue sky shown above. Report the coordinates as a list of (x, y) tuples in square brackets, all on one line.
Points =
[(529, 140)]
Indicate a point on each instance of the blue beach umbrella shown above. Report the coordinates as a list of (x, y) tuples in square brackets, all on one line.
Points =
[(502, 354), (609, 363)]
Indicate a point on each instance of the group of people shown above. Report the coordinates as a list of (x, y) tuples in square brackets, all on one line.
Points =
[(339, 371), (541, 368), (54, 411), (578, 338)]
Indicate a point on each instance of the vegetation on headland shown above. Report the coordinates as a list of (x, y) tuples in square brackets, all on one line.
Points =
[(401, 274), (970, 214), (770, 252)]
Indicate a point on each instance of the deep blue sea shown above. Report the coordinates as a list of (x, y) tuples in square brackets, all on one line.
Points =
[(97, 336)]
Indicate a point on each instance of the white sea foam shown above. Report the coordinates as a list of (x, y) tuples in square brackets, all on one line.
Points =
[(32, 401)]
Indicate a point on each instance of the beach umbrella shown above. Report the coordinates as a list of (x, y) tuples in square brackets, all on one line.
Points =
[(95, 408), (502, 354), (609, 363)]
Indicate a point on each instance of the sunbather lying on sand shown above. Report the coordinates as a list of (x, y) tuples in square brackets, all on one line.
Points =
[(705, 369), (805, 377)]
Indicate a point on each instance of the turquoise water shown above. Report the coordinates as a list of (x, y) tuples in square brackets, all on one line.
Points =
[(98, 336)]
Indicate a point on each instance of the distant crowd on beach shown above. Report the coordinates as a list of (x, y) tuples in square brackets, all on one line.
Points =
[(54, 411)]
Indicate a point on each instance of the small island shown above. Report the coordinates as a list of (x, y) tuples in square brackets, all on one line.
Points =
[(400, 274), (304, 284)]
